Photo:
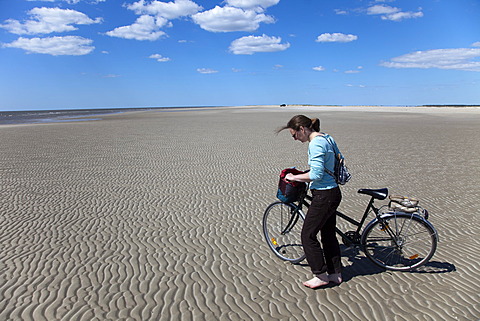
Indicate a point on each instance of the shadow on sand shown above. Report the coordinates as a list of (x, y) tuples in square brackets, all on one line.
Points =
[(362, 265)]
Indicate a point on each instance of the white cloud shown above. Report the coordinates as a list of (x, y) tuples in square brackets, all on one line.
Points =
[(359, 68), (48, 20), (341, 12), (393, 13), (227, 19), (207, 71), (237, 15), (398, 16), (167, 10), (250, 4), (476, 44), (145, 28), (319, 68), (153, 16), (159, 58), (455, 59), (250, 44), (77, 1), (336, 37), (381, 9), (56, 46)]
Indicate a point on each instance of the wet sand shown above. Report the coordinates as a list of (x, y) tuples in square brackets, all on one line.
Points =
[(156, 215)]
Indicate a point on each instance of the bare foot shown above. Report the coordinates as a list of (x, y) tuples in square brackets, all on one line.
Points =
[(317, 282), (335, 278)]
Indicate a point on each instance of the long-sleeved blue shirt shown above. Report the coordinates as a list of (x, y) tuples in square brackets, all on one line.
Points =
[(320, 155)]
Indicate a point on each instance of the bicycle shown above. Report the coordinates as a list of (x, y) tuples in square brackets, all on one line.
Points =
[(393, 240)]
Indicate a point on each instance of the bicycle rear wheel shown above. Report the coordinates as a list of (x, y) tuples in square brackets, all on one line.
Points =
[(399, 241), (282, 225)]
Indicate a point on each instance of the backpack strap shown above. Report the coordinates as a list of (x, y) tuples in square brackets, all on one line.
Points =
[(335, 151)]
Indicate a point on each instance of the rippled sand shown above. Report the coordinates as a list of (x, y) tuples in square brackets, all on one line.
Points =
[(157, 216)]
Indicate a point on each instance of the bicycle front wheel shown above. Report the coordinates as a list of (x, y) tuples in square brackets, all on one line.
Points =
[(282, 225), (399, 241)]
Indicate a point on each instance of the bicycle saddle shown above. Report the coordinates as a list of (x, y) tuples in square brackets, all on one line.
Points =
[(379, 194)]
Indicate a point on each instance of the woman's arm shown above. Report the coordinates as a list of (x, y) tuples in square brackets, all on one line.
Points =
[(305, 177)]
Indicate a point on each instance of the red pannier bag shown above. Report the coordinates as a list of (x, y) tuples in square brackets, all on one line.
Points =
[(290, 191)]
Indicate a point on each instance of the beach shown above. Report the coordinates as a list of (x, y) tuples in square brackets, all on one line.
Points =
[(157, 215)]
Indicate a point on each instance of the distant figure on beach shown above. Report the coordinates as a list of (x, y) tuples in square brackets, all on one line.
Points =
[(325, 262)]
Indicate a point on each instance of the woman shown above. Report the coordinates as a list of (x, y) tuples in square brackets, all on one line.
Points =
[(325, 262)]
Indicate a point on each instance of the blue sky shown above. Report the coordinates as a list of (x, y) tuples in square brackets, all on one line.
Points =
[(64, 54)]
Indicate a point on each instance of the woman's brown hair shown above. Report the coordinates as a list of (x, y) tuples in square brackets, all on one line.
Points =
[(302, 121)]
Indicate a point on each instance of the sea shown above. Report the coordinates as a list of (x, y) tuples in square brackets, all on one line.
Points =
[(71, 115)]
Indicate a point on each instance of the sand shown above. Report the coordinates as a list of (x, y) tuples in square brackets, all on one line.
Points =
[(157, 216)]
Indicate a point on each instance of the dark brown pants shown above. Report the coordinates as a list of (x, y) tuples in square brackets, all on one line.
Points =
[(321, 218)]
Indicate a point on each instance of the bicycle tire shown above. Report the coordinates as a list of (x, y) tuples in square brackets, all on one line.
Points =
[(282, 226), (399, 241)]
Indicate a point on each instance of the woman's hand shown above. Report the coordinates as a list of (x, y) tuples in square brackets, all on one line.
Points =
[(290, 177)]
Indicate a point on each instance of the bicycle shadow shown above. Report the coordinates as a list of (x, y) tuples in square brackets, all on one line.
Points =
[(362, 265)]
